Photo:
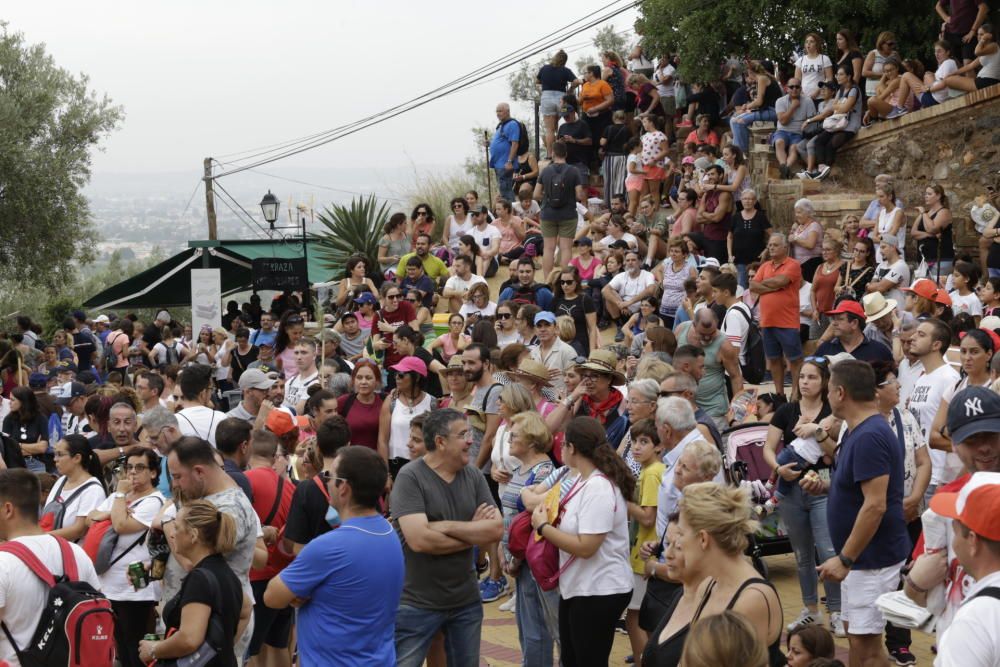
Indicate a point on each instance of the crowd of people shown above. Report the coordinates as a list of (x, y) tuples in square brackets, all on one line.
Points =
[(459, 429)]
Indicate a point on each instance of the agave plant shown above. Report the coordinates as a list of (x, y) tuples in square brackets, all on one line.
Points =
[(352, 230)]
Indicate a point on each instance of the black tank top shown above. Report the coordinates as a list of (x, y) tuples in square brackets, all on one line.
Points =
[(929, 247), (668, 653)]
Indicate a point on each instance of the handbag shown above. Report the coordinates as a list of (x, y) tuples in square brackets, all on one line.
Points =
[(214, 633), (835, 123), (658, 597), (810, 130), (102, 539)]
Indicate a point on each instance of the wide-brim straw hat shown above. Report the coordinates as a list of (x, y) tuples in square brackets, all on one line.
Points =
[(533, 370), (877, 306), (603, 361)]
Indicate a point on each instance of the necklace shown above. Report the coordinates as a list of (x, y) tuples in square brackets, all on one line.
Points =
[(368, 532), (829, 268)]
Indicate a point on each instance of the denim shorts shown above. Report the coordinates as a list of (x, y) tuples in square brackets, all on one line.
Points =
[(550, 103), (790, 138), (781, 343)]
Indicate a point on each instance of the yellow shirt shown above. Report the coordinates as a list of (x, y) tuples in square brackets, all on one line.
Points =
[(646, 496)]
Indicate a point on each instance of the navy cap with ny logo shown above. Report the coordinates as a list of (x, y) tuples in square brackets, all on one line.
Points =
[(973, 410)]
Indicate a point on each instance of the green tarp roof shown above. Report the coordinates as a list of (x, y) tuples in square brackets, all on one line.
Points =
[(168, 284)]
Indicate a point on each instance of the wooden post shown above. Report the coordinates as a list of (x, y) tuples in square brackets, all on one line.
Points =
[(213, 231)]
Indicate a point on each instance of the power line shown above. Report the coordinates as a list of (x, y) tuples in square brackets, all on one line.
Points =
[(253, 229), (314, 141), (256, 228), (306, 183)]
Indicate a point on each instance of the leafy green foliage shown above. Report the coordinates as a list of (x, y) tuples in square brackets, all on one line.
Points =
[(706, 33), (352, 230), (49, 123), (437, 189)]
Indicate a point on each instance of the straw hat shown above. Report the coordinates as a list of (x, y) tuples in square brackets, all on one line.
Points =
[(455, 364), (603, 361), (532, 370), (877, 306)]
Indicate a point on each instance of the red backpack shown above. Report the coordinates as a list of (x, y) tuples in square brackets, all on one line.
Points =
[(77, 626)]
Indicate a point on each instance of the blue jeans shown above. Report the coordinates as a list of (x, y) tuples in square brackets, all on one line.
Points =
[(543, 296), (804, 516), (742, 276), (34, 463), (785, 456), (532, 630), (505, 183), (740, 125), (415, 628)]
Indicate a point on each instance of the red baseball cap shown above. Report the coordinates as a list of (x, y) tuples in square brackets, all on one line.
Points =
[(280, 421), (941, 297), (924, 287), (848, 307), (977, 505)]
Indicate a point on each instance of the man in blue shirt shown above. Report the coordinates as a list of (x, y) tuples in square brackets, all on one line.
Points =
[(848, 323), (347, 583), (864, 509), (503, 151)]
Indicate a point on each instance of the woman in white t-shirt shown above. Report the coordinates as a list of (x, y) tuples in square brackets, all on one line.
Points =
[(890, 220), (79, 488), (813, 66), (131, 509), (932, 90), (456, 225), (616, 232), (595, 582)]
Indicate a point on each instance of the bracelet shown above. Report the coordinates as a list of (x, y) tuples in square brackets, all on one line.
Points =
[(541, 528), (908, 580)]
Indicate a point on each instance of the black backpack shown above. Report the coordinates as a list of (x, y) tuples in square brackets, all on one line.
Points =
[(559, 194), (753, 369), (522, 141)]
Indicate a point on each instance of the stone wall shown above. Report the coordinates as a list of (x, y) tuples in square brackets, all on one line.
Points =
[(956, 144)]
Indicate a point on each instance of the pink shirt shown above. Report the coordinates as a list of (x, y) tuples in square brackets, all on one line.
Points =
[(585, 273), (508, 238)]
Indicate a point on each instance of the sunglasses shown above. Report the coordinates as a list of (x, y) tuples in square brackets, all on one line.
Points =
[(567, 282), (794, 87), (668, 394), (456, 207), (817, 360), (420, 213), (504, 316), (392, 297), (294, 319), (411, 300)]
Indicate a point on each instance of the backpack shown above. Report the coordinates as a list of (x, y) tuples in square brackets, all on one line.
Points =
[(102, 539), (753, 369), (173, 356), (559, 194), (522, 141), (54, 513), (110, 356), (77, 626)]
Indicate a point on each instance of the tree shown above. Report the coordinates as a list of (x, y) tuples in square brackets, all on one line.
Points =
[(606, 39), (706, 33), (49, 123)]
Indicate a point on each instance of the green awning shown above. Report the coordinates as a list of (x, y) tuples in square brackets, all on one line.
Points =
[(168, 284)]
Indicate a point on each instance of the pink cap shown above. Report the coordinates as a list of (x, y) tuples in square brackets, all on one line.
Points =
[(411, 364)]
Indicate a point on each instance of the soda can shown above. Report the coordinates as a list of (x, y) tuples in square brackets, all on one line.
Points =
[(152, 638), (137, 575)]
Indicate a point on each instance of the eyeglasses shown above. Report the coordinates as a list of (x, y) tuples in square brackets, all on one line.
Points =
[(590, 376), (137, 467), (504, 316), (337, 481), (392, 297), (794, 87)]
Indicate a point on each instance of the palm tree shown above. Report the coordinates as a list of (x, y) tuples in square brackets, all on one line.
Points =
[(353, 230)]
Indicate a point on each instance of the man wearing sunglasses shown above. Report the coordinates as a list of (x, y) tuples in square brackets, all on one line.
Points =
[(792, 110)]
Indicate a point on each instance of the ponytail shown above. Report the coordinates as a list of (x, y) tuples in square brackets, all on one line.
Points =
[(216, 529), (78, 445), (590, 441)]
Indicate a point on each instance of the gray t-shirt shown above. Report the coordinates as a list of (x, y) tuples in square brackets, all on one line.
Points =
[(448, 581), (854, 117), (489, 397), (570, 179), (805, 109), (351, 347)]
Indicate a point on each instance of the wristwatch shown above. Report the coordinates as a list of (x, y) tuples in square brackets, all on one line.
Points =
[(820, 431), (845, 561), (118, 494), (541, 528)]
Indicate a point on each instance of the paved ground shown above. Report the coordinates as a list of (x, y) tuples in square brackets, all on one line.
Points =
[(500, 647)]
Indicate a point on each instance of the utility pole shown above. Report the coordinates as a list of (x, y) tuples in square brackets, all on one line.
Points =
[(213, 232)]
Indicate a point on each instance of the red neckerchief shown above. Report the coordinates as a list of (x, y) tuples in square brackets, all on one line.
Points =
[(599, 411)]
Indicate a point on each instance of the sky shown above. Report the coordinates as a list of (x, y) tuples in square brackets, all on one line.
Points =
[(202, 79)]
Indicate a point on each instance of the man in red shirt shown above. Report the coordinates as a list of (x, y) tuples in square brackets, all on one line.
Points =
[(777, 282), (272, 498)]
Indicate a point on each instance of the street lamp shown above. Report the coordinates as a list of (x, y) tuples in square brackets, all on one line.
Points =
[(270, 205)]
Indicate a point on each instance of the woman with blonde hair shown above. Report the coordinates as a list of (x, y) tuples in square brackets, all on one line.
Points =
[(723, 639), (712, 535), (211, 606), (871, 70)]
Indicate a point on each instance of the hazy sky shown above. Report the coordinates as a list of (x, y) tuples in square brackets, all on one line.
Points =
[(204, 78)]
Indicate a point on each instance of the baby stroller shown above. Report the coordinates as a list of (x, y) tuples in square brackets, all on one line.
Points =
[(743, 458)]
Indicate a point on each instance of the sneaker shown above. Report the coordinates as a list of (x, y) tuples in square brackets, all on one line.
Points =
[(492, 589), (837, 626), (620, 626), (619, 336), (804, 175), (482, 568), (783, 172), (823, 172), (805, 618), (902, 656), (896, 113), (510, 604)]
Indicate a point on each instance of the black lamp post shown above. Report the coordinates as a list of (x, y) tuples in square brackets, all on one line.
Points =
[(270, 205)]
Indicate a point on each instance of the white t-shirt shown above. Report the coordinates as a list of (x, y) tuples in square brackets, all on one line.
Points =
[(200, 421), (461, 284), (945, 69), (23, 595), (924, 402), (971, 639), (533, 211), (456, 230), (907, 376), (735, 328), (897, 272), (505, 339), (467, 309), (115, 583), (86, 502), (885, 220), (297, 389), (597, 508), (629, 287), (161, 351), (812, 72), (664, 75), (486, 235), (969, 303), (630, 239)]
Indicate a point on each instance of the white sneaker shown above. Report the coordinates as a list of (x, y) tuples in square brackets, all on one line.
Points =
[(837, 624), (805, 618), (509, 605)]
